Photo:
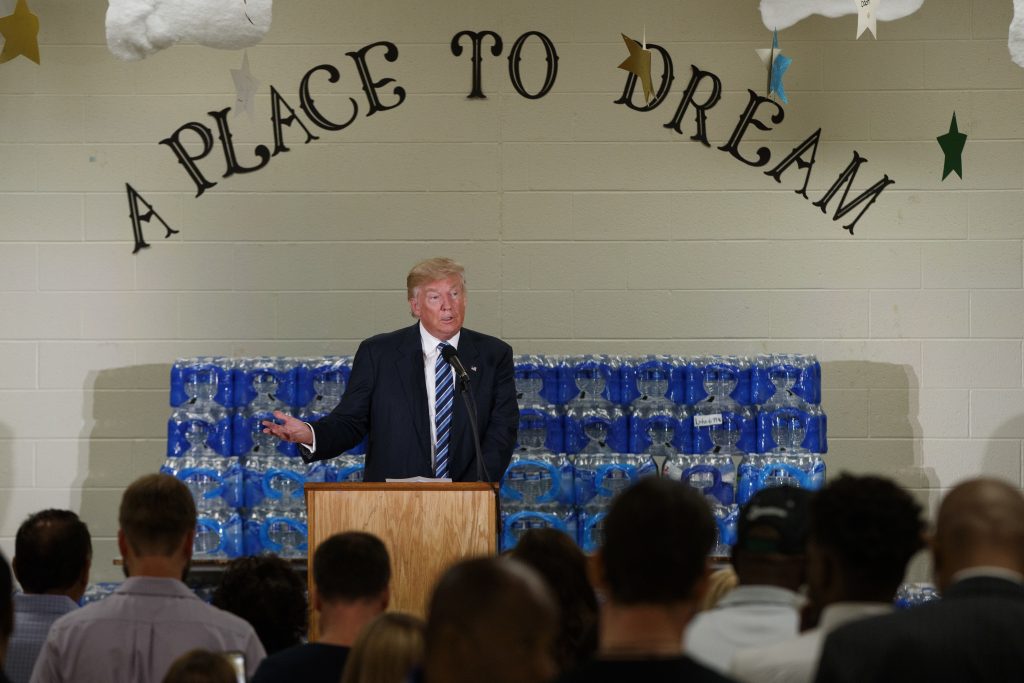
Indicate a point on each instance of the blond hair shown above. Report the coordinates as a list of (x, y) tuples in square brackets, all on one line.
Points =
[(432, 270), (386, 651)]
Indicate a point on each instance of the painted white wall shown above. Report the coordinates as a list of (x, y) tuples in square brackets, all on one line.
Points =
[(584, 226)]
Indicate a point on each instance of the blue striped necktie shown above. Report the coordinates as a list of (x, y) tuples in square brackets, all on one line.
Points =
[(444, 395)]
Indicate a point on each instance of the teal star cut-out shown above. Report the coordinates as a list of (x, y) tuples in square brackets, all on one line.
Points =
[(952, 144)]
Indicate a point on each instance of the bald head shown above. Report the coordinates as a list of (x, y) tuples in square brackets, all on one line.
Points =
[(980, 523), (491, 619)]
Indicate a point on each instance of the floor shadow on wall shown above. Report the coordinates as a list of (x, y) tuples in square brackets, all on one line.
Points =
[(125, 414)]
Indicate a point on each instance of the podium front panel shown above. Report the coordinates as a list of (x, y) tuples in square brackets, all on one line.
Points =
[(426, 527)]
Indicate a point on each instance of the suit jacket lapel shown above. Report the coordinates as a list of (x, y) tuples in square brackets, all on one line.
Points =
[(409, 366)]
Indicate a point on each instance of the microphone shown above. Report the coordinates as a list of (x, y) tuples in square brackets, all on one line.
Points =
[(452, 356)]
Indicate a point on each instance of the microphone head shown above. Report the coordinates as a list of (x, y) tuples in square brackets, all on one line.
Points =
[(448, 352)]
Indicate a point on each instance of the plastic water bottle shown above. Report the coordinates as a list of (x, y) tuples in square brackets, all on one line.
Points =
[(518, 519), (540, 421), (270, 529), (199, 413), (262, 384), (591, 524), (594, 424), (218, 532)]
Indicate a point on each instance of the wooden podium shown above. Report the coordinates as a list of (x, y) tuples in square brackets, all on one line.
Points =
[(426, 527)]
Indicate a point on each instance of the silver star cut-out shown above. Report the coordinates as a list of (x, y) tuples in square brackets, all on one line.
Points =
[(245, 88)]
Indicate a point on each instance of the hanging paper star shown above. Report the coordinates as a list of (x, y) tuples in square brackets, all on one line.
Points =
[(639, 64), (952, 144), (867, 11), (776, 64), (245, 88), (20, 31)]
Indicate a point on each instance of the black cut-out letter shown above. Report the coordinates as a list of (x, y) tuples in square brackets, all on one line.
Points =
[(667, 76), (134, 199), (869, 195), (550, 58), (189, 161), (276, 101), (369, 85), (224, 131), (712, 100), (796, 155), (476, 91), (747, 119), (308, 106)]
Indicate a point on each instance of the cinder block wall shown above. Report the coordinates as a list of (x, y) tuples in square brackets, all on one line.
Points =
[(584, 226)]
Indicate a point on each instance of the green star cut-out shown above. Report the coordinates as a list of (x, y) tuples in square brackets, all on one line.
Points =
[(952, 144)]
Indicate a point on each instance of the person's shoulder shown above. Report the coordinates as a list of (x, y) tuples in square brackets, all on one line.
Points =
[(683, 668), (486, 341), (391, 338), (300, 661), (223, 620)]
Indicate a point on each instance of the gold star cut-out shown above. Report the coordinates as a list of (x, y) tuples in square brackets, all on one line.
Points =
[(20, 31), (639, 64)]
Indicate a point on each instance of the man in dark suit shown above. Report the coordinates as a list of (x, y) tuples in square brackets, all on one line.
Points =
[(976, 632), (396, 393)]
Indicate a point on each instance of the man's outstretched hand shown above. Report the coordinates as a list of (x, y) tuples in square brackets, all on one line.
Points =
[(289, 429)]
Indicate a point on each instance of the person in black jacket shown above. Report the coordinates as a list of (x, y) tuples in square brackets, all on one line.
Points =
[(976, 632), (391, 393)]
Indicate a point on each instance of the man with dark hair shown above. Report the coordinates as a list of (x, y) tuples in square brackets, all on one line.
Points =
[(52, 555), (976, 632), (267, 592), (658, 534), (492, 620), (6, 612), (134, 635), (352, 576), (863, 532), (770, 563)]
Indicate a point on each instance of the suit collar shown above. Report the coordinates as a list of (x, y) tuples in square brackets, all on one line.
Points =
[(978, 586)]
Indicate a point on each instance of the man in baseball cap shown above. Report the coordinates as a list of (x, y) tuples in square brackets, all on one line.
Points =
[(770, 564)]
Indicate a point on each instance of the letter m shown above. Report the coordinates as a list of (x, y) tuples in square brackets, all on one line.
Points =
[(867, 197)]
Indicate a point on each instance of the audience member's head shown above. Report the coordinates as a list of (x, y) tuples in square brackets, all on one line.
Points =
[(863, 531), (351, 567), (564, 567), (268, 593), (720, 583), (6, 607), (771, 538), (980, 523), (52, 554), (657, 537), (158, 521), (352, 573), (494, 620), (387, 651), (201, 666)]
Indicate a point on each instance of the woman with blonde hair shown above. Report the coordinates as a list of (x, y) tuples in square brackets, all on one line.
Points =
[(387, 650)]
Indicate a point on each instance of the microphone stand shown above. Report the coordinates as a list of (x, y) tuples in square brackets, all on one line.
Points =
[(467, 398)]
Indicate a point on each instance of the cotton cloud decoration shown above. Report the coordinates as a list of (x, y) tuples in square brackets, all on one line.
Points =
[(139, 28), (780, 14), (1016, 41)]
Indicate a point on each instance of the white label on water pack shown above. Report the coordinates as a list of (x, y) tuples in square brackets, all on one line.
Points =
[(707, 420)]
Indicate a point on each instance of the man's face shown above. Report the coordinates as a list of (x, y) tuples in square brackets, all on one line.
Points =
[(440, 306)]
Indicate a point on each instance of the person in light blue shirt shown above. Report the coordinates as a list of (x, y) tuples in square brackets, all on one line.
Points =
[(52, 556)]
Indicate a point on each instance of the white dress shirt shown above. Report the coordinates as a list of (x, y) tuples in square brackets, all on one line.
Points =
[(796, 660), (747, 616)]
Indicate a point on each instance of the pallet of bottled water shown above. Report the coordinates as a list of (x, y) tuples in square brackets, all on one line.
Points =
[(591, 425), (248, 486)]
